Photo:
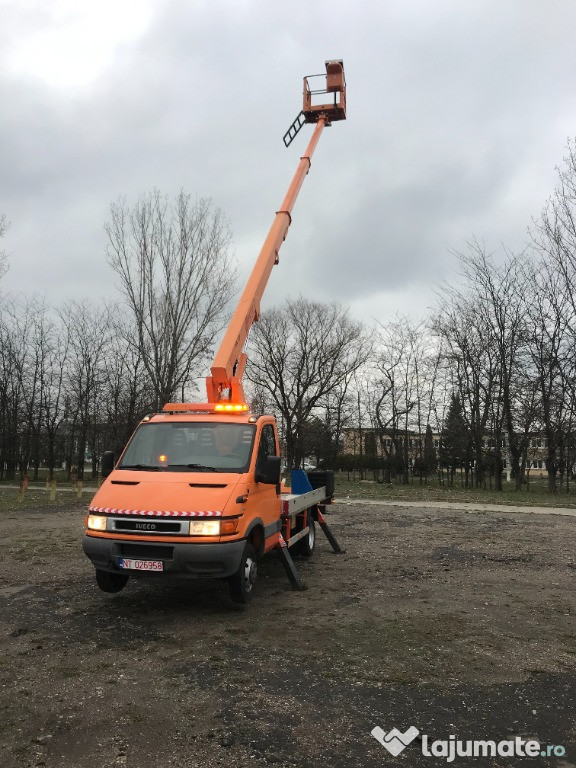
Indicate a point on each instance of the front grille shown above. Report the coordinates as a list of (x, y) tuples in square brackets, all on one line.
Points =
[(147, 526), (147, 551)]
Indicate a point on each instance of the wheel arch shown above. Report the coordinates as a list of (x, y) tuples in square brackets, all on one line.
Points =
[(255, 535)]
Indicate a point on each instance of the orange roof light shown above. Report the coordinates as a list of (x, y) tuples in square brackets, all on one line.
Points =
[(231, 407)]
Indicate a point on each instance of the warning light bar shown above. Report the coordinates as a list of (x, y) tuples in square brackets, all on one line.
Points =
[(206, 408), (231, 407)]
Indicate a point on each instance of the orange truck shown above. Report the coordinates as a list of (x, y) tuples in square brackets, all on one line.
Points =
[(197, 490)]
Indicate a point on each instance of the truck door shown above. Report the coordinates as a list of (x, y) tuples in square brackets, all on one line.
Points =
[(265, 500)]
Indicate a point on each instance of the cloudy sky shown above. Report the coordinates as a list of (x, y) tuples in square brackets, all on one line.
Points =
[(458, 113)]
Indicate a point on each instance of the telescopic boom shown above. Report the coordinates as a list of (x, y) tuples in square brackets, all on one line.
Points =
[(225, 383)]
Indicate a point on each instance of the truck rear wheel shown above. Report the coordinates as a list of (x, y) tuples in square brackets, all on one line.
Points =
[(110, 582), (307, 544), (241, 584)]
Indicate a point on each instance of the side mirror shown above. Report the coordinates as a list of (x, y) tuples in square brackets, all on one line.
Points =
[(269, 472), (107, 463)]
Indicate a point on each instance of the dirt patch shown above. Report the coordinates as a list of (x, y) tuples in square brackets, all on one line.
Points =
[(455, 623)]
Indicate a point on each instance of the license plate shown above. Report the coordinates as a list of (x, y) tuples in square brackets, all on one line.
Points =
[(141, 565)]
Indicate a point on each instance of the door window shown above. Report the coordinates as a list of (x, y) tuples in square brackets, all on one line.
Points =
[(267, 445)]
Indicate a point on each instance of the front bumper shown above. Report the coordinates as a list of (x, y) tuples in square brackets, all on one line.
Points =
[(190, 560)]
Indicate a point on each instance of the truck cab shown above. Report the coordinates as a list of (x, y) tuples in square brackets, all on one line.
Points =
[(193, 495)]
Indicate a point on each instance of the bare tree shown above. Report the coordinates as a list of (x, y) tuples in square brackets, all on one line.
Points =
[(36, 344), (338, 409), (554, 233), (53, 412), (15, 323), (177, 277), (401, 394), (87, 331), (299, 355), (554, 312), (391, 402), (473, 365), (551, 348), (129, 390), (500, 292)]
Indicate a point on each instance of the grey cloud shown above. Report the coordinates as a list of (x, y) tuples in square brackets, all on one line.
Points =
[(457, 115)]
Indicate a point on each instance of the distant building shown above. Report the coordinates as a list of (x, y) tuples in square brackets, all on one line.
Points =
[(381, 443)]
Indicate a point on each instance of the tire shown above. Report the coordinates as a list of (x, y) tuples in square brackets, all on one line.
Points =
[(111, 582), (308, 543), (241, 584)]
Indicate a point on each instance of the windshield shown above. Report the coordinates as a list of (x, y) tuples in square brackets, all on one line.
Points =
[(189, 447)]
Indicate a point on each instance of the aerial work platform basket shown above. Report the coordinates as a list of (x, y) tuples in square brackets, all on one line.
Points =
[(324, 97), (333, 107)]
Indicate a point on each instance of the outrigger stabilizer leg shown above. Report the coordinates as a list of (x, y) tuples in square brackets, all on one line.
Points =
[(288, 564), (316, 511), (321, 520), (298, 508)]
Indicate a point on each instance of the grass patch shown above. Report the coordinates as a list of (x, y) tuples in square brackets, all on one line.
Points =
[(60, 475), (35, 499), (345, 486), (536, 495)]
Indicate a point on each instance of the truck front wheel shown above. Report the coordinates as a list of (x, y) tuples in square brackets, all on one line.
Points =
[(110, 582), (241, 583)]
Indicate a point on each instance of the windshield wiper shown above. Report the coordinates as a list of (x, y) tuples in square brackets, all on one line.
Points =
[(199, 467), (145, 467)]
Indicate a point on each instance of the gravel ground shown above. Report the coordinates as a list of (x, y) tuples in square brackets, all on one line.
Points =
[(453, 621)]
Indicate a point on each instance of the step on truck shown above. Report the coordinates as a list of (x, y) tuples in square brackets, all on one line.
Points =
[(197, 491)]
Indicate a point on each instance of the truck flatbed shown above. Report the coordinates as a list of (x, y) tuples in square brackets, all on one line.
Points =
[(293, 503)]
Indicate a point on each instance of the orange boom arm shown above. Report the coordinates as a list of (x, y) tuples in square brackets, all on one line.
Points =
[(225, 383)]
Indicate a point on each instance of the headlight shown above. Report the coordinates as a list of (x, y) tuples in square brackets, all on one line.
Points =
[(97, 522), (205, 528)]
